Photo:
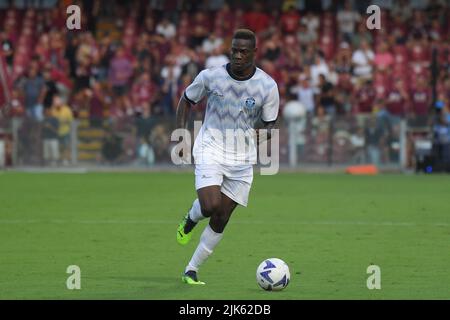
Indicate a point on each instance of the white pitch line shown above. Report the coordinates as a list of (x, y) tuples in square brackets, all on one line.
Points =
[(174, 222)]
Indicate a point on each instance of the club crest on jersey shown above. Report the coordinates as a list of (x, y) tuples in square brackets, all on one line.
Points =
[(250, 102)]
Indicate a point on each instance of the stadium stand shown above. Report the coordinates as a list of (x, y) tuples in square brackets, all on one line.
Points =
[(135, 58)]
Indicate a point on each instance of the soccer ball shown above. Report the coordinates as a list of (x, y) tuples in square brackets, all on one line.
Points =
[(273, 274)]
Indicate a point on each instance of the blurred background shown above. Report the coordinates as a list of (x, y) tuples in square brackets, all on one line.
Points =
[(106, 95)]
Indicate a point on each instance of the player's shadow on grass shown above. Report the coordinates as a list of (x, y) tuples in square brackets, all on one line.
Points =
[(155, 281), (147, 280)]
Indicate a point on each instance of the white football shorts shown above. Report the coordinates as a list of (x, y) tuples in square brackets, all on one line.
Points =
[(235, 181)]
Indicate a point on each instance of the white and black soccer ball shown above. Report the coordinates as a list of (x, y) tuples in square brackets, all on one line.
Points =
[(273, 274)]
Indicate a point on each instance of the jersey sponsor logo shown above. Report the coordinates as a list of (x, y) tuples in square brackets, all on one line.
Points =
[(217, 93)]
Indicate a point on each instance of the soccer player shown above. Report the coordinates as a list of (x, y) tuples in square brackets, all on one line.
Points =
[(240, 98)]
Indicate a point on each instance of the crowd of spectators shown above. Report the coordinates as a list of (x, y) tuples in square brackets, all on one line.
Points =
[(135, 58)]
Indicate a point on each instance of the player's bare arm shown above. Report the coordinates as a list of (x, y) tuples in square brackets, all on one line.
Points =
[(183, 108), (266, 125)]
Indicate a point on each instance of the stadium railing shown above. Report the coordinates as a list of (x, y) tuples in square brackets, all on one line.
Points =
[(387, 142)]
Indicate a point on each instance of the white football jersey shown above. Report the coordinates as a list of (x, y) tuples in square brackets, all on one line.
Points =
[(233, 109)]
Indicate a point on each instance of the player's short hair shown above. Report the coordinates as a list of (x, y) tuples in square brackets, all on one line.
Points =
[(245, 34)]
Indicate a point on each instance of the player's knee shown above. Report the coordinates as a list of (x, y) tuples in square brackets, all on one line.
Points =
[(210, 208), (218, 222)]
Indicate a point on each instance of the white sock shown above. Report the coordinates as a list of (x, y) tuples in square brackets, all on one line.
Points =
[(195, 214), (208, 241)]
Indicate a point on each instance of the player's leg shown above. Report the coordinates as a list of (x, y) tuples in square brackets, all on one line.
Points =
[(218, 203), (219, 208), (220, 218), (209, 199), (208, 179), (189, 221), (234, 190)]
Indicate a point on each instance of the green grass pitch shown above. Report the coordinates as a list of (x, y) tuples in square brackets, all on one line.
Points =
[(120, 229)]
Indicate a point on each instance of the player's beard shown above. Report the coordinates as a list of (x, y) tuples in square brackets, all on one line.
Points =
[(239, 69)]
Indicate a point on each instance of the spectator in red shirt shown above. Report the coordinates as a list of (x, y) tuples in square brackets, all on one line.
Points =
[(256, 20), (200, 29), (143, 91), (270, 68), (58, 16), (420, 98), (364, 98), (290, 20), (97, 102), (57, 48), (382, 83), (397, 99), (224, 19), (43, 47), (418, 50)]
